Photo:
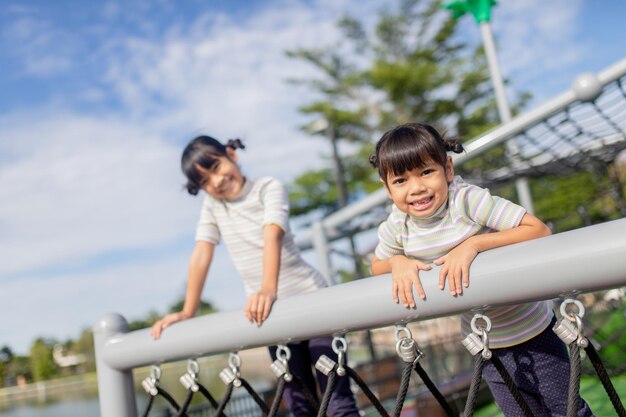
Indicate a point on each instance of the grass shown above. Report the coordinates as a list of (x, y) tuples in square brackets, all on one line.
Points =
[(590, 389)]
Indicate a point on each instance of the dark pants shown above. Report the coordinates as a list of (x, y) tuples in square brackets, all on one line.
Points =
[(303, 357), (540, 369)]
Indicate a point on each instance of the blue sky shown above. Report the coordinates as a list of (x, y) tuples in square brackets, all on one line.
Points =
[(98, 99)]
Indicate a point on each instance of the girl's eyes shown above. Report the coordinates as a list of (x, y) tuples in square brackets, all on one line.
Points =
[(428, 171), (398, 181)]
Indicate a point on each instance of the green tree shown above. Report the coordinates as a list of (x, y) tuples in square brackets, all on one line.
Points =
[(412, 66), (205, 307), (41, 363), (84, 346), (6, 356), (147, 321)]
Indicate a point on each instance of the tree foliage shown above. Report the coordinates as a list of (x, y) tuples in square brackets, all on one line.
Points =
[(41, 363), (412, 66)]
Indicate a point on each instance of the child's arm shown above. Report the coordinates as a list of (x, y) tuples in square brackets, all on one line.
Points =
[(457, 262), (405, 275), (198, 268), (260, 303)]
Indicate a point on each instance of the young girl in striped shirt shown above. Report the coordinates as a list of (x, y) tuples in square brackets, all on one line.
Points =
[(252, 218), (438, 218)]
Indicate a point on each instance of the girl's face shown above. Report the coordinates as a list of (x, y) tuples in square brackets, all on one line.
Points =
[(224, 180), (421, 191)]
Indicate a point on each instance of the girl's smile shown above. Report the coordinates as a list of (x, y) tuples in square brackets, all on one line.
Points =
[(224, 180), (422, 204), (421, 191)]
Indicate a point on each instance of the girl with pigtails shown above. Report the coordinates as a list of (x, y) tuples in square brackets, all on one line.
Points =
[(438, 218), (251, 217)]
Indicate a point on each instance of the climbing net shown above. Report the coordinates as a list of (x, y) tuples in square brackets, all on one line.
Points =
[(582, 136), (570, 328)]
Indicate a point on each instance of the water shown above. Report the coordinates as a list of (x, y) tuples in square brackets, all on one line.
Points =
[(79, 408)]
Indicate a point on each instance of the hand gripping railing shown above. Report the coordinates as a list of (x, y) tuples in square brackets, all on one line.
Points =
[(583, 260)]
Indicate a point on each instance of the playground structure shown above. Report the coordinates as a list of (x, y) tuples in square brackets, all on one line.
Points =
[(583, 128)]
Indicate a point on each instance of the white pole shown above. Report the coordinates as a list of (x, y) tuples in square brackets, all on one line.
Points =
[(116, 391), (521, 184)]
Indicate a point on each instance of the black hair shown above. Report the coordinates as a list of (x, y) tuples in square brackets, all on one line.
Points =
[(411, 146), (203, 152)]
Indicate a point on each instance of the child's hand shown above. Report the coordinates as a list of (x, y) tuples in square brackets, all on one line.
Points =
[(456, 267), (159, 326), (259, 306), (405, 275)]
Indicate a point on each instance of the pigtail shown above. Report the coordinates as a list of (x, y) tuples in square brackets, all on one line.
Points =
[(373, 160), (192, 188), (453, 145), (235, 144)]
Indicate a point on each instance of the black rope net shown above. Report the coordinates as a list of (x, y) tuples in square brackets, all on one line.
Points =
[(584, 138), (584, 134)]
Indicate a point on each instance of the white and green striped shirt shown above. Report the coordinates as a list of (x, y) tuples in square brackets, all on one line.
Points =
[(469, 210), (240, 224)]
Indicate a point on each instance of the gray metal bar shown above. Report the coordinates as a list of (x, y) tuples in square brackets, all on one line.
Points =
[(521, 122), (116, 390), (582, 260), (472, 149)]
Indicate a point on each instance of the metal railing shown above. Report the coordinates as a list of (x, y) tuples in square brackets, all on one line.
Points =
[(562, 265)]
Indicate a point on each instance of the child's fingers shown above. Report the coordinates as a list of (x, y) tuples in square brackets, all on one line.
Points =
[(248, 315), (408, 293), (419, 289), (421, 266), (402, 292), (156, 330), (445, 272), (458, 278), (249, 310), (465, 276), (158, 327), (394, 292), (260, 309), (267, 309), (442, 280)]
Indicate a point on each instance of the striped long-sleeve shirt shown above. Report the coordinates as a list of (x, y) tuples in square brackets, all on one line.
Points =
[(469, 210), (240, 225)]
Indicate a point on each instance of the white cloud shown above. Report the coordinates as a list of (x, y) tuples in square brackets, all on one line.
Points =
[(536, 36), (77, 187), (43, 48)]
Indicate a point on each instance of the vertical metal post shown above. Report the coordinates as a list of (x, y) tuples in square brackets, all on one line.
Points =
[(322, 251), (521, 184), (115, 387)]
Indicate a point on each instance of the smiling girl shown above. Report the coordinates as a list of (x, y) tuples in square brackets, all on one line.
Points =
[(437, 217), (252, 218)]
